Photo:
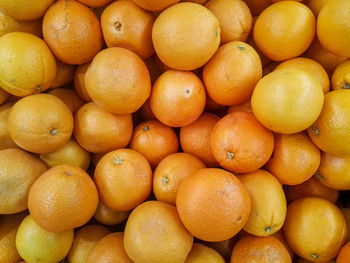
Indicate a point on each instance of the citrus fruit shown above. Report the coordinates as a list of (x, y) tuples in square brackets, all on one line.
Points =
[(170, 173), (18, 171), (232, 73), (95, 3), (79, 82), (62, 198), (152, 228), (341, 76), (315, 5), (201, 253), (213, 204), (12, 25), (344, 254), (287, 100), (109, 216), (185, 36), (40, 123), (98, 130), (155, 5), (240, 143), (64, 74), (245, 107), (5, 139), (25, 10), (257, 6), (26, 64), (123, 178), (68, 96), (118, 80)]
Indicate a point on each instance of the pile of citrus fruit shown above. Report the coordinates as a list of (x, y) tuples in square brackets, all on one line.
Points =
[(168, 131)]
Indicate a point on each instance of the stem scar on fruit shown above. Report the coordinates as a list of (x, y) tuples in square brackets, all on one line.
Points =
[(165, 180), (117, 160), (230, 155), (268, 229), (346, 86), (54, 131), (118, 26), (314, 256), (315, 131), (146, 128)]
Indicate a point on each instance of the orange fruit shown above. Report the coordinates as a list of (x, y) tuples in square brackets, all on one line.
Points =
[(79, 82), (310, 188), (344, 254), (8, 230), (3, 96), (96, 157), (155, 233), (265, 61), (5, 139), (154, 141), (233, 28), (170, 173), (40, 123), (346, 213), (12, 25), (185, 36), (284, 30), (110, 248), (153, 68), (195, 1), (26, 64), (330, 130), (327, 59), (287, 100), (97, 130), (62, 198), (109, 216), (213, 107), (240, 143), (257, 6), (72, 32), (84, 241), (280, 236), (71, 154), (125, 24), (295, 158), (310, 66), (95, 3), (333, 29), (155, 5), (260, 249), (178, 98), (146, 112), (245, 107), (124, 179), (64, 74), (223, 247), (127, 86), (213, 204), (25, 10), (195, 138), (68, 96), (341, 76), (18, 171), (33, 242), (269, 205), (231, 75), (334, 172), (315, 5), (305, 224), (201, 253)]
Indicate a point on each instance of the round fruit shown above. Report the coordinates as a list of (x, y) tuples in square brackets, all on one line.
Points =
[(118, 80), (124, 179), (34, 242), (178, 98), (5, 139), (295, 158), (245, 107), (68, 96), (98, 130), (310, 66), (40, 123), (213, 204), (195, 138), (260, 249), (235, 27), (330, 132), (64, 74), (3, 96), (332, 29), (269, 205), (12, 25), (201, 253), (18, 171), (26, 64), (79, 82), (185, 36), (257, 6), (71, 154), (109, 216), (95, 3), (344, 254), (232, 73), (155, 5), (154, 141), (62, 198), (305, 225), (84, 241), (72, 32), (152, 228), (341, 76), (240, 143), (109, 249), (23, 9), (124, 24), (315, 5), (284, 30), (287, 100), (170, 173)]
